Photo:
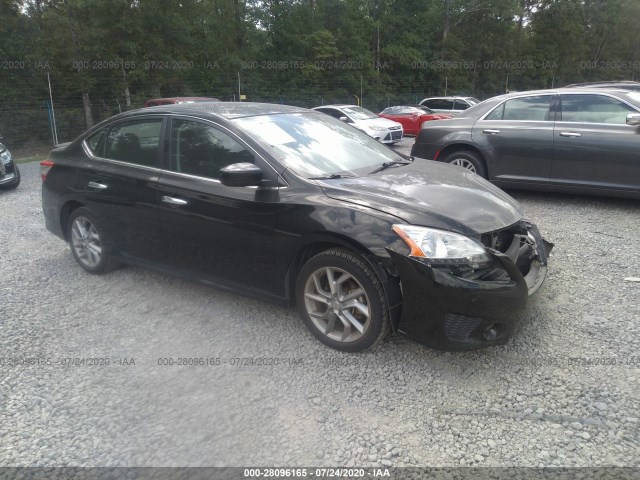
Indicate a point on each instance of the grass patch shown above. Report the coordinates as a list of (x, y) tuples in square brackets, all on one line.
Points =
[(36, 158)]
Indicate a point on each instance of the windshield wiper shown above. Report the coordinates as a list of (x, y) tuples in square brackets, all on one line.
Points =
[(386, 165), (332, 176)]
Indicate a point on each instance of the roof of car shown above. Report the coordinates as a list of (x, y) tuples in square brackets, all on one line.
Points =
[(227, 110), (620, 92), (224, 110), (183, 99), (582, 90), (405, 106), (609, 83), (451, 97), (335, 106)]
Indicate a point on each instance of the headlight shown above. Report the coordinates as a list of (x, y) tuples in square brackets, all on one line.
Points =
[(5, 156), (377, 129), (442, 247)]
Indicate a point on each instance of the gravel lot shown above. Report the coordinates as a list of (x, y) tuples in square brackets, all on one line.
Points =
[(529, 403)]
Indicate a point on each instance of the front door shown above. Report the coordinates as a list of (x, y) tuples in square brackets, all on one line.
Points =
[(594, 146), (209, 229)]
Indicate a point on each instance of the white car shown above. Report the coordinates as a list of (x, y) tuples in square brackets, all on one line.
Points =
[(382, 129)]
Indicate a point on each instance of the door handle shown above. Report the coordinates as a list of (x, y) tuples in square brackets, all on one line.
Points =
[(570, 134), (97, 186), (174, 201), (491, 131)]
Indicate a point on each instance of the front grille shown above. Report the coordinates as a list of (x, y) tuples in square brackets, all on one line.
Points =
[(395, 128), (396, 135)]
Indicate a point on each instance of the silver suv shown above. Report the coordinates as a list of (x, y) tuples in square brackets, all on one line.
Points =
[(450, 105)]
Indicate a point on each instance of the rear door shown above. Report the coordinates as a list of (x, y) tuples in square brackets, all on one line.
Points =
[(119, 183), (209, 229), (594, 147), (517, 138)]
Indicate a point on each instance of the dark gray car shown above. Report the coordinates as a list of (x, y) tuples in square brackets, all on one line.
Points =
[(573, 140), (9, 172)]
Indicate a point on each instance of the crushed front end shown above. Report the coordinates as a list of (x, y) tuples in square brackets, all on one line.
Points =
[(460, 306)]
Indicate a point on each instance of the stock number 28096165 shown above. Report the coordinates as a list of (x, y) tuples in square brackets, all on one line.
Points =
[(189, 361)]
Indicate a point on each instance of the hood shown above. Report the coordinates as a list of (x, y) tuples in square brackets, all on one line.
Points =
[(431, 194), (377, 122)]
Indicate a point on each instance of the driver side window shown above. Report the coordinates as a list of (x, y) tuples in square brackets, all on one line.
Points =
[(589, 108), (203, 150)]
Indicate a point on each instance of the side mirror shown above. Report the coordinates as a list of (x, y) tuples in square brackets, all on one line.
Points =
[(241, 175), (633, 119), (345, 120)]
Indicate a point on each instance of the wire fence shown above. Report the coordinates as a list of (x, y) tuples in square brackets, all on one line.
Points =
[(30, 127)]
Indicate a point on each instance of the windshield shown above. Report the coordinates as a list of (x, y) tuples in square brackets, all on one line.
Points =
[(473, 101), (316, 145), (359, 113)]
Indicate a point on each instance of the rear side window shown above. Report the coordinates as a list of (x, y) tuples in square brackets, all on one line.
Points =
[(460, 105), (95, 142), (586, 108), (134, 142), (531, 109), (439, 104)]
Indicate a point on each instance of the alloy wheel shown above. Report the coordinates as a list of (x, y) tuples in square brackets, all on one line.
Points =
[(86, 242), (337, 304), (464, 163)]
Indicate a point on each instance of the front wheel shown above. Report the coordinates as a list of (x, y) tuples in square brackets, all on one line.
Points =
[(16, 180), (341, 301), (468, 160), (88, 244)]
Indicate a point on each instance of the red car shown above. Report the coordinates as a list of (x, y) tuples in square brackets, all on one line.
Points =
[(411, 117)]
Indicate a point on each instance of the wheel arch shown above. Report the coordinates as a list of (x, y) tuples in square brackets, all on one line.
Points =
[(65, 212), (390, 282)]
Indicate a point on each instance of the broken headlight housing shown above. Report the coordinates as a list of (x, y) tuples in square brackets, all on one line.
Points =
[(440, 247)]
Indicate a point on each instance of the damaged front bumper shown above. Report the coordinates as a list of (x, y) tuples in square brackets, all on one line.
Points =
[(455, 310)]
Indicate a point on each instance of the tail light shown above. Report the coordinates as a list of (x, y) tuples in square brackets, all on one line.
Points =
[(45, 166)]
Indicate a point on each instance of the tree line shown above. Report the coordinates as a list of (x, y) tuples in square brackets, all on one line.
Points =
[(100, 54)]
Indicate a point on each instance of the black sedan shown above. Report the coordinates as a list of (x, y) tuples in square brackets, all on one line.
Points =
[(9, 172), (294, 206), (583, 140)]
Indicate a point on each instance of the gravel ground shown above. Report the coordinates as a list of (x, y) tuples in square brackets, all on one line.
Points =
[(529, 403)]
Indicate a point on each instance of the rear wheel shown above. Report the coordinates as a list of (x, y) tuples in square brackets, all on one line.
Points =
[(341, 301), (88, 244), (466, 159)]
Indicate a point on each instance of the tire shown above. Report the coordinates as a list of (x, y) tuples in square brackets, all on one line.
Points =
[(350, 325), (466, 159), (16, 181), (88, 244)]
